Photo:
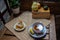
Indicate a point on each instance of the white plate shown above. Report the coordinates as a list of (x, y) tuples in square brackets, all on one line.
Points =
[(19, 29), (35, 35)]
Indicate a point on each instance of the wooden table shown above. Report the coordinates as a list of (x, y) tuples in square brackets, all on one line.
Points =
[(27, 18)]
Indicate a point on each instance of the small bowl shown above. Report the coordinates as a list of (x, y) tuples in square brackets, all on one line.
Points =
[(38, 27), (45, 7)]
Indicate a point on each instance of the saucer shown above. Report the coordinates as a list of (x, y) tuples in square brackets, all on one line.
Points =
[(35, 35)]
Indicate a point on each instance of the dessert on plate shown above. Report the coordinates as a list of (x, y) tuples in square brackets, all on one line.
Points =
[(19, 26)]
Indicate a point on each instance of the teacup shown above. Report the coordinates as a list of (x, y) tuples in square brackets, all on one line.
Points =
[(38, 28)]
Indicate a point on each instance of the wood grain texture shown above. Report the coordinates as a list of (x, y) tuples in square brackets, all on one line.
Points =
[(2, 32), (27, 18), (8, 38), (52, 29), (7, 32)]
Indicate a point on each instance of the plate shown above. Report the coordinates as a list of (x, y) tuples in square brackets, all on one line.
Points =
[(19, 29), (35, 35)]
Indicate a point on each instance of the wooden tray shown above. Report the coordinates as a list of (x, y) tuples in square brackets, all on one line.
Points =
[(27, 18)]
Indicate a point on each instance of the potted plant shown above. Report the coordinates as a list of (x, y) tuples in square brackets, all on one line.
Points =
[(14, 5)]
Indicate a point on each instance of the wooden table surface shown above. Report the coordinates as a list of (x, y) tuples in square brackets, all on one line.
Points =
[(27, 18)]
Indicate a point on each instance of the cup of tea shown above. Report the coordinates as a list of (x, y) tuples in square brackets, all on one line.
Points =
[(38, 28)]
